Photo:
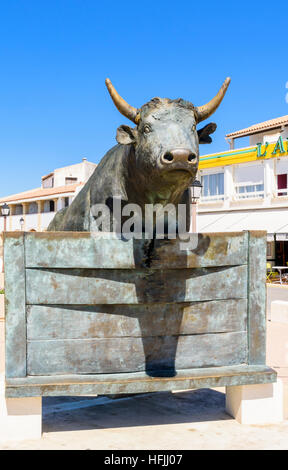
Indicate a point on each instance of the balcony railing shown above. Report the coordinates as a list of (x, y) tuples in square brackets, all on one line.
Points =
[(249, 195), (249, 190), (216, 197), (282, 192)]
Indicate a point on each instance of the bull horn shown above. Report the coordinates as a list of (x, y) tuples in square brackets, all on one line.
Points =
[(203, 112), (122, 106)]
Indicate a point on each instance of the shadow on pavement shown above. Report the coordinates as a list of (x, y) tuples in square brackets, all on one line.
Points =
[(143, 410)]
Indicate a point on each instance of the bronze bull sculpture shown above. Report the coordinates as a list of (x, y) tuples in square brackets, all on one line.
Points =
[(153, 163)]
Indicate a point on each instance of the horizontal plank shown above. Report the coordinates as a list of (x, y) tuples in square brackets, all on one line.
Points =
[(138, 382), (90, 287), (114, 355), (108, 321), (93, 251)]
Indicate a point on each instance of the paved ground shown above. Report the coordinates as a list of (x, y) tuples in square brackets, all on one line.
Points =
[(183, 420)]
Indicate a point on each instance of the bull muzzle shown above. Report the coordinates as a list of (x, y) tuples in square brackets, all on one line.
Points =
[(179, 159)]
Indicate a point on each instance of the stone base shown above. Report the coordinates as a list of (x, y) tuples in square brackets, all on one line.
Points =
[(256, 404), (20, 418), (2, 346), (2, 306)]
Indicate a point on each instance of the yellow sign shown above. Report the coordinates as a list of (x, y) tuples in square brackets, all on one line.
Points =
[(249, 154)]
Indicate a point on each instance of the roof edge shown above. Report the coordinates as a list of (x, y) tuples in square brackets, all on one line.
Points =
[(255, 128)]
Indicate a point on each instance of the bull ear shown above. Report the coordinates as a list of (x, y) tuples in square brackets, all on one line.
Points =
[(126, 135), (204, 133)]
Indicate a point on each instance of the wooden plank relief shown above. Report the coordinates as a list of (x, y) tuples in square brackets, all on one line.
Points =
[(88, 287), (115, 355), (93, 251), (257, 297), (105, 306), (15, 308), (212, 249), (113, 321)]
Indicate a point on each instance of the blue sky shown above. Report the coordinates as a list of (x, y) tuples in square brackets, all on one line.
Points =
[(55, 56)]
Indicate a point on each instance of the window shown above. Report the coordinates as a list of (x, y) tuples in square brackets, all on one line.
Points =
[(213, 187), (66, 201), (244, 190), (18, 209), (271, 250), (70, 180), (49, 206), (48, 182), (33, 208), (282, 184), (249, 181)]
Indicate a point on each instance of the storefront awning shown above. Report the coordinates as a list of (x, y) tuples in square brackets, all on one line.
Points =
[(273, 222)]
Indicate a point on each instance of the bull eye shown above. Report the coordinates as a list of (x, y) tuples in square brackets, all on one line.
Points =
[(147, 129), (194, 128)]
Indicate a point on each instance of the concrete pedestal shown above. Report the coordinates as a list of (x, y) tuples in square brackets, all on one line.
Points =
[(256, 404), (1, 274), (20, 418), (279, 311)]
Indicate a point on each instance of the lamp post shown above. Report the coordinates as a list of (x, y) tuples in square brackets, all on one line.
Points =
[(21, 223), (195, 191), (5, 211)]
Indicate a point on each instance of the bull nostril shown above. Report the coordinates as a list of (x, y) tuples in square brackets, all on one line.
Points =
[(191, 157), (168, 157)]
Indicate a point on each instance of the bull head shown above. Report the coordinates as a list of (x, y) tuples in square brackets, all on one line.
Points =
[(165, 142)]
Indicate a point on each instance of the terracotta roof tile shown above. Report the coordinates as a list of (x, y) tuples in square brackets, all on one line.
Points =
[(271, 124), (47, 176), (40, 192)]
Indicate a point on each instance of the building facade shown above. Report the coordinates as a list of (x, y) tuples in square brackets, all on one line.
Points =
[(246, 188), (33, 210)]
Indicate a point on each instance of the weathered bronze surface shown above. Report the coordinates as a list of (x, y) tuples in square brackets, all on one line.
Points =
[(138, 382), (171, 319), (153, 163)]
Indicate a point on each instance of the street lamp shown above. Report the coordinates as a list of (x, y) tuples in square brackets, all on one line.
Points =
[(21, 223), (195, 192), (196, 189), (5, 211)]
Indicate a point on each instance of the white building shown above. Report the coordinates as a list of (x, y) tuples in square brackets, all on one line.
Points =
[(37, 207), (247, 188)]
